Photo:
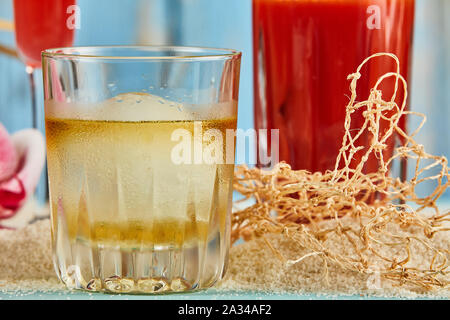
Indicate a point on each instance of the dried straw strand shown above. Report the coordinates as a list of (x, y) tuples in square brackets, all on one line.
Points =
[(308, 208)]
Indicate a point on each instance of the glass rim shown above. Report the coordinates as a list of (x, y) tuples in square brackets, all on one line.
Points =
[(211, 53)]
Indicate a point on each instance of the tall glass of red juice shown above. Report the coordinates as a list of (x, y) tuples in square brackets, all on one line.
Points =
[(303, 52)]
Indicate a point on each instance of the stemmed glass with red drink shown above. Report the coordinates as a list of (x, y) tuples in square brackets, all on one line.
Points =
[(39, 25)]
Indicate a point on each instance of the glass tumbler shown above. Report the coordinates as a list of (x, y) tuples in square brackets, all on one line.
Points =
[(140, 150)]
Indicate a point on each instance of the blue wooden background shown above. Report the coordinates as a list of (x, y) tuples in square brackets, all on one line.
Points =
[(227, 23)]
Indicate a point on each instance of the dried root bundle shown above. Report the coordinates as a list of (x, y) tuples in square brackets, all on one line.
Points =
[(367, 212)]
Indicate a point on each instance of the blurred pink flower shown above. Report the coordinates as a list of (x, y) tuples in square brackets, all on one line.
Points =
[(22, 158)]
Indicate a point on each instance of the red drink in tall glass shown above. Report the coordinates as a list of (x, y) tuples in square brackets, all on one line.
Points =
[(39, 25), (303, 52)]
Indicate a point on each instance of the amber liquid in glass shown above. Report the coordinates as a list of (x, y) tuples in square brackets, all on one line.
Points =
[(120, 205)]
